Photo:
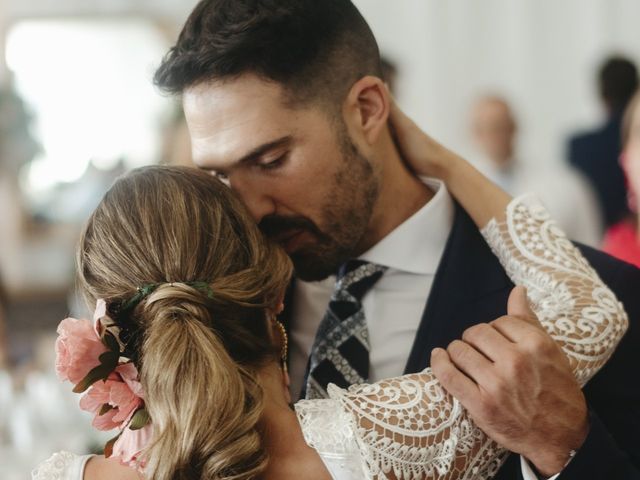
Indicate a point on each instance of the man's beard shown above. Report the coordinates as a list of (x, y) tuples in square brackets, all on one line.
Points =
[(345, 216)]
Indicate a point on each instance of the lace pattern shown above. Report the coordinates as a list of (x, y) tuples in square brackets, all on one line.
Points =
[(411, 428), (326, 415), (60, 466), (573, 305), (328, 429)]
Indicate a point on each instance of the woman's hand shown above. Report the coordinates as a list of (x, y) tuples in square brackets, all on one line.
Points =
[(480, 197), (421, 153)]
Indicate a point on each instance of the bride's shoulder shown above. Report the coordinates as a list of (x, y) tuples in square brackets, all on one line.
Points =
[(100, 468), (68, 466)]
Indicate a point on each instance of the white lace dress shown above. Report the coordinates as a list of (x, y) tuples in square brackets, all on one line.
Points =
[(409, 427)]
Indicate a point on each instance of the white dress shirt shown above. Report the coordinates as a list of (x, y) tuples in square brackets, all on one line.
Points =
[(527, 471), (394, 306)]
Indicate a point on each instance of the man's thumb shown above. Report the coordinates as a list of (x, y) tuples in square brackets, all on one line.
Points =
[(518, 305)]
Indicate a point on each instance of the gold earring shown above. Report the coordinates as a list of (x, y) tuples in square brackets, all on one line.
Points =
[(284, 353)]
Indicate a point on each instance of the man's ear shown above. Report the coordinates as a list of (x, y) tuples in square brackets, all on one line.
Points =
[(366, 108)]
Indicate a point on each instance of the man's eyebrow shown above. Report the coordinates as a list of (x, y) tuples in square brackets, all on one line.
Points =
[(267, 147)]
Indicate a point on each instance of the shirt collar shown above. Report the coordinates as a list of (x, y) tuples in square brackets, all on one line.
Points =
[(417, 245)]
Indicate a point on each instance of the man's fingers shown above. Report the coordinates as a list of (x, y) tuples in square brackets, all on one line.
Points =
[(487, 340), (518, 306), (400, 120), (471, 362), (453, 380), (515, 329)]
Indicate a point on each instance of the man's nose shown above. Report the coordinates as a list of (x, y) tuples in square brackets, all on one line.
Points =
[(254, 195)]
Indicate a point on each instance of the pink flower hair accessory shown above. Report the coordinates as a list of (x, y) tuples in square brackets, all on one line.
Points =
[(94, 359)]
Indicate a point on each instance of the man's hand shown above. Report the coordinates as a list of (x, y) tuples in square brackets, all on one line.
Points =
[(517, 385)]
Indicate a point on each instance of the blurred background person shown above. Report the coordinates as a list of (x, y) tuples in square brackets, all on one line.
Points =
[(595, 153), (623, 239), (566, 195)]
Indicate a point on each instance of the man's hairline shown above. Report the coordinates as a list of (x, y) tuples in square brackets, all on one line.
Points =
[(290, 100)]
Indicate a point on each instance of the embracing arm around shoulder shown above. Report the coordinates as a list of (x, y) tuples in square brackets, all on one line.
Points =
[(513, 382)]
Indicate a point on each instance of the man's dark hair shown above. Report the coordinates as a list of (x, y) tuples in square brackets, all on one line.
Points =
[(316, 49), (618, 82)]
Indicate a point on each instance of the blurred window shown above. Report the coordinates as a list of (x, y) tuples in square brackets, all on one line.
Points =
[(88, 84)]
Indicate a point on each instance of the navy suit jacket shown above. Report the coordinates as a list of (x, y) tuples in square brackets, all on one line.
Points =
[(596, 154), (471, 287)]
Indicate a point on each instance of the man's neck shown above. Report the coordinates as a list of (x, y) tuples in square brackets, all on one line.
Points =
[(401, 195)]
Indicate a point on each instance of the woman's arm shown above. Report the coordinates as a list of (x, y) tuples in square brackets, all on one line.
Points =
[(410, 427), (482, 199), (573, 305)]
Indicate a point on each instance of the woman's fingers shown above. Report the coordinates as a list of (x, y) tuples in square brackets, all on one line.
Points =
[(420, 152)]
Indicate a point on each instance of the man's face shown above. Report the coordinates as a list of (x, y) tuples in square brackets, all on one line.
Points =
[(296, 169)]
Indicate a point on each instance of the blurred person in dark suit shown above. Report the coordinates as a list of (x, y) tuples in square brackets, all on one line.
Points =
[(494, 130), (596, 152), (623, 239)]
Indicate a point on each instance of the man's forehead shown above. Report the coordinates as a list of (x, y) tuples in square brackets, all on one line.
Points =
[(227, 122)]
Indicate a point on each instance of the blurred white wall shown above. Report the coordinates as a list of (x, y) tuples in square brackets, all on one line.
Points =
[(542, 54)]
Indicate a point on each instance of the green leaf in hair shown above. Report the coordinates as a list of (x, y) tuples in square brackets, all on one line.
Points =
[(140, 419), (108, 448), (105, 409), (108, 363)]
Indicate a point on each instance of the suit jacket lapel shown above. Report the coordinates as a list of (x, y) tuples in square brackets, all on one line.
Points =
[(470, 287)]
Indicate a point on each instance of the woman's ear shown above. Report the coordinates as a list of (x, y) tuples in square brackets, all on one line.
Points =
[(366, 108), (280, 305)]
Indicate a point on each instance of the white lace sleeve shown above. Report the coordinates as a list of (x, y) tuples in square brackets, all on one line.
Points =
[(410, 428), (574, 306), (328, 428), (61, 466)]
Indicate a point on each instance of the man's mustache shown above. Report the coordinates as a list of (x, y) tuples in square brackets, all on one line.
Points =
[(274, 226)]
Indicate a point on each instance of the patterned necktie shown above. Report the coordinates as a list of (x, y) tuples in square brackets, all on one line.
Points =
[(340, 352)]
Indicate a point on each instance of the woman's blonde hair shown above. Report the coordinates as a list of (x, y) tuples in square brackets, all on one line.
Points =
[(197, 353)]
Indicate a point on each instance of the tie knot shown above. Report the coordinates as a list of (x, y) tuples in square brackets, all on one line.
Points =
[(357, 277)]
